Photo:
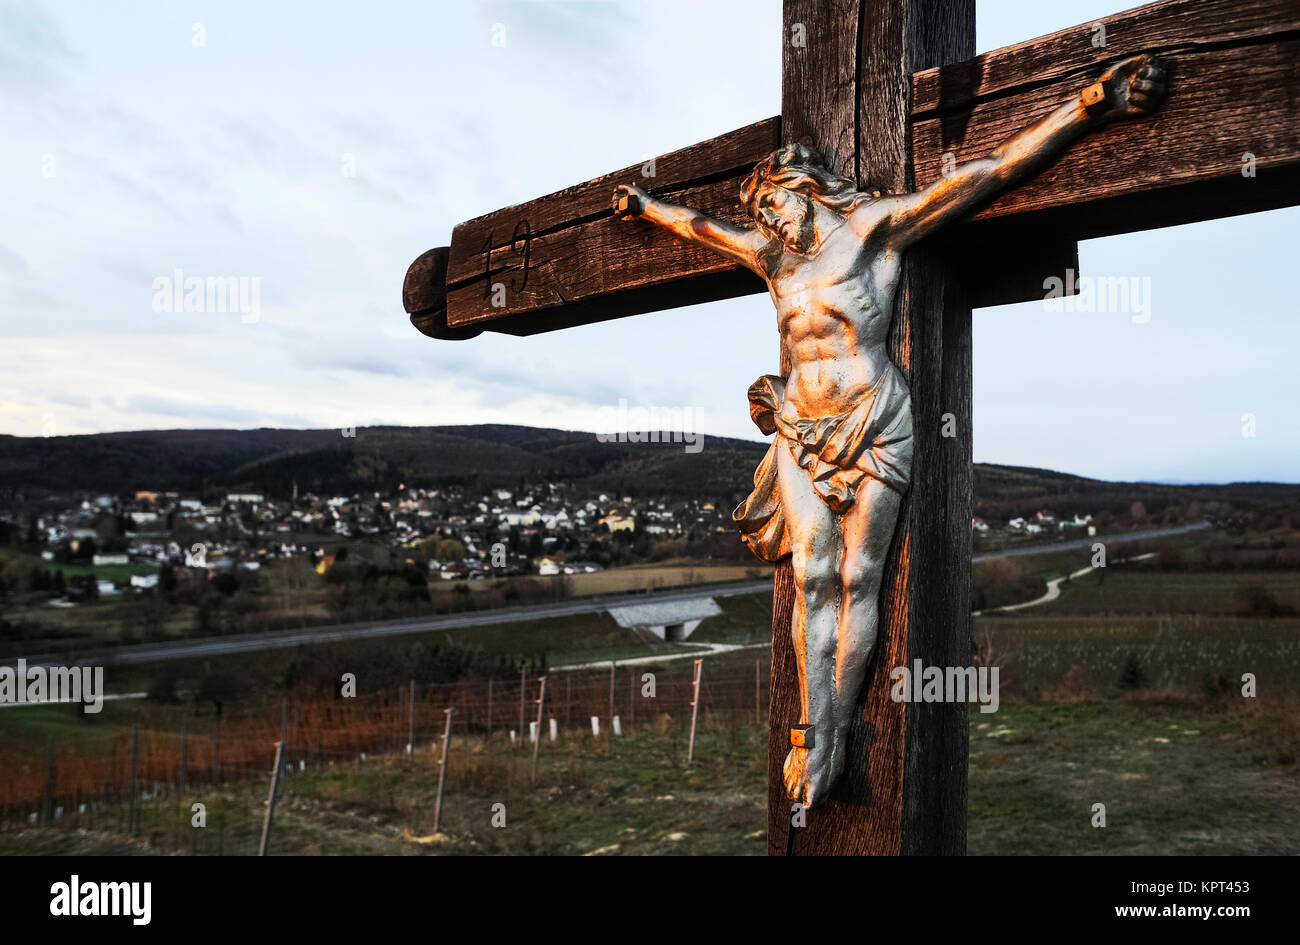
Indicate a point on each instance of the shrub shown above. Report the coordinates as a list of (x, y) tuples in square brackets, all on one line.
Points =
[(1132, 676)]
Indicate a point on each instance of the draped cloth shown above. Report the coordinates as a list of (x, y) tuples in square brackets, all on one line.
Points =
[(873, 440)]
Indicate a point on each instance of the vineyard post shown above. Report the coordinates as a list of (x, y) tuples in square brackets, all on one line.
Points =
[(537, 742), (522, 687), (489, 711), (47, 805), (410, 721), (397, 717), (216, 753), (695, 710), (270, 799), (135, 752), (442, 771), (185, 753)]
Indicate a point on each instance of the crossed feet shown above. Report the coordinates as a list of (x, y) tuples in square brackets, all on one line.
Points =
[(810, 773)]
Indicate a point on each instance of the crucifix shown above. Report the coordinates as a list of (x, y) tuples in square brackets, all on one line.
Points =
[(891, 166)]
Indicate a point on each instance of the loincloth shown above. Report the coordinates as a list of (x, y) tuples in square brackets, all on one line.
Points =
[(871, 441)]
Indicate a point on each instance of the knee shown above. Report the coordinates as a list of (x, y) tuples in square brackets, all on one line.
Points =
[(817, 580), (862, 575)]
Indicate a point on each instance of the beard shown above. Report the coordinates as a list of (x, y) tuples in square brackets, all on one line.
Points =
[(799, 234), (805, 232)]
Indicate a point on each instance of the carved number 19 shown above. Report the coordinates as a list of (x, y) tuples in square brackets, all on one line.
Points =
[(521, 243)]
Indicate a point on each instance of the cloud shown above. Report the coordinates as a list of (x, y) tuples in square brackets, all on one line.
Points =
[(592, 41), (11, 262), (32, 48), (362, 365), (215, 412)]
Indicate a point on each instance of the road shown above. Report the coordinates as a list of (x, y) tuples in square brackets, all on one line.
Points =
[(1088, 542), (1054, 588), (283, 639)]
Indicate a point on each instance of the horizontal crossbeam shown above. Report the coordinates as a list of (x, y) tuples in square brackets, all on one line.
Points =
[(1235, 95), (563, 260)]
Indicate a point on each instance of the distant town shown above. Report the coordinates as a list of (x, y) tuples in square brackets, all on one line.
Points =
[(456, 533)]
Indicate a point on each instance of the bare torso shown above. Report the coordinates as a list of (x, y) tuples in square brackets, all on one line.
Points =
[(833, 311)]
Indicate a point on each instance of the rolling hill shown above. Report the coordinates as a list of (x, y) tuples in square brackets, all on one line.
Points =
[(272, 461)]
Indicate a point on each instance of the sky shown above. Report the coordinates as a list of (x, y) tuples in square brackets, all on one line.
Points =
[(310, 151)]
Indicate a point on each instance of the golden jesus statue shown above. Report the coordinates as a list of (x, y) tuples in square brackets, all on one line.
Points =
[(829, 489)]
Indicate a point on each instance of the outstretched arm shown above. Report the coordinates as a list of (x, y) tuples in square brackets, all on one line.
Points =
[(738, 243), (1131, 89)]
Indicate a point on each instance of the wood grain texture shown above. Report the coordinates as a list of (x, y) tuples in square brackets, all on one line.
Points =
[(819, 109), (566, 252), (1236, 82), (424, 296), (904, 786), (819, 63), (1236, 89)]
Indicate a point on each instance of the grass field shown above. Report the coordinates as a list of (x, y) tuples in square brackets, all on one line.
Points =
[(1182, 763), (1174, 778), (105, 572), (1141, 590)]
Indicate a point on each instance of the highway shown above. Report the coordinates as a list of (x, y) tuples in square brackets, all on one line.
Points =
[(1089, 542), (338, 633)]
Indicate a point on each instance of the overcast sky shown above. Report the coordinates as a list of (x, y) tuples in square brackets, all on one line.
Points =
[(320, 147)]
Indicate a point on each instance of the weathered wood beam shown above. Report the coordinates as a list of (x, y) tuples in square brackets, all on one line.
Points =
[(1236, 89), (563, 259), (424, 296), (904, 784)]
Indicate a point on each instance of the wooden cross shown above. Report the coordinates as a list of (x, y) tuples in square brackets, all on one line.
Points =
[(890, 92)]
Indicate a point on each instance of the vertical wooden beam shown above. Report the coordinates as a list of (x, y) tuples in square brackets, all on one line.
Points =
[(819, 63), (904, 785), (931, 341)]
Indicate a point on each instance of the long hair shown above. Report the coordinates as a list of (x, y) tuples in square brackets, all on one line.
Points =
[(799, 168)]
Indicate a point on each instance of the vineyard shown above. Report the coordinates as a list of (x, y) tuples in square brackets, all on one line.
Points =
[(135, 760)]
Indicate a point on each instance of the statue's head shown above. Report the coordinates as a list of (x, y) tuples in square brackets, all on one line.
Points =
[(779, 191)]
